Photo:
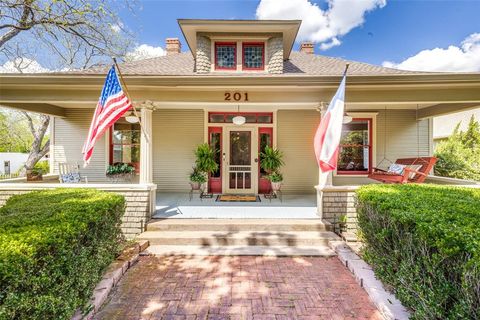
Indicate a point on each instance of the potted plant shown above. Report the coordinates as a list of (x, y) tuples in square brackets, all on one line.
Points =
[(197, 178), (120, 172), (205, 160), (34, 174), (275, 179), (271, 160)]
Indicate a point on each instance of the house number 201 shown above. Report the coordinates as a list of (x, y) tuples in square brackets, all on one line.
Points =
[(236, 96)]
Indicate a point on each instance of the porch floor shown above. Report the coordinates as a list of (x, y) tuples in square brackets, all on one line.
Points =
[(178, 205)]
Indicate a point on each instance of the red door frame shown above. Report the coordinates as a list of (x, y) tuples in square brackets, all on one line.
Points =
[(263, 184), (215, 183)]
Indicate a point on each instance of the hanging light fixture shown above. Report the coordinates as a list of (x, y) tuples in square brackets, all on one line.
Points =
[(130, 117), (346, 117), (238, 119)]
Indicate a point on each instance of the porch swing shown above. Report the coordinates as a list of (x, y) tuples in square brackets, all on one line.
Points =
[(405, 170)]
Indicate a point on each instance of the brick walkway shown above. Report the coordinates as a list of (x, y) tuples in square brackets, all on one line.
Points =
[(180, 287)]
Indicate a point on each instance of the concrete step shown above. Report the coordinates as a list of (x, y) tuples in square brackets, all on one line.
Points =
[(239, 238), (275, 251), (238, 225)]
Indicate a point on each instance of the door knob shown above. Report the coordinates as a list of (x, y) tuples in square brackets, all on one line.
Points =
[(256, 159)]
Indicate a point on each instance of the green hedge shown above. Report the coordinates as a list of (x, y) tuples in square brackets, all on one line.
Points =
[(54, 247), (424, 241)]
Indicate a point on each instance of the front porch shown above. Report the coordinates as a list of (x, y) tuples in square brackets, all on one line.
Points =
[(179, 206)]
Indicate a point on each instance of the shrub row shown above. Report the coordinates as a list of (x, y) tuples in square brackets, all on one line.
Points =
[(54, 247), (424, 242)]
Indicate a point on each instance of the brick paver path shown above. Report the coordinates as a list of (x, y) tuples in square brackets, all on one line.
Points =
[(247, 287)]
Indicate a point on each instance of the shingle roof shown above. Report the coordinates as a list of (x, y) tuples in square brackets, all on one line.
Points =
[(182, 64)]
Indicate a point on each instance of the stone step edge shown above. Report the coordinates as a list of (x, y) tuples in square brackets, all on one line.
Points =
[(110, 279), (388, 305), (240, 250)]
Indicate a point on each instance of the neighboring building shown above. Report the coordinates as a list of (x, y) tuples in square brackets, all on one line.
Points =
[(443, 126), (244, 68), (11, 162)]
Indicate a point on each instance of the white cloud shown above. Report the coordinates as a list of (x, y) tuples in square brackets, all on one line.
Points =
[(320, 26), (22, 65), (144, 51), (464, 58)]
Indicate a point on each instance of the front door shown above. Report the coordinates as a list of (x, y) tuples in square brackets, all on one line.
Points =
[(240, 160)]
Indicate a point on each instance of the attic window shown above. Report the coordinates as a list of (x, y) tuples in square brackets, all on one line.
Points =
[(225, 56), (253, 56)]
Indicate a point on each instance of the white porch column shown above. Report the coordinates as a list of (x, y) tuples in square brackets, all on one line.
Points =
[(324, 178), (146, 157)]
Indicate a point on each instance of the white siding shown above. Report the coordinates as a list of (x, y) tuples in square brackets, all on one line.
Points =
[(295, 132), (70, 134), (176, 134)]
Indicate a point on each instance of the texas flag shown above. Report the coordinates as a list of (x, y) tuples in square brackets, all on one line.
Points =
[(327, 137)]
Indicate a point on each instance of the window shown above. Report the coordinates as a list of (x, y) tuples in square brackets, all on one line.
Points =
[(225, 55), (355, 147), (125, 143), (253, 56), (250, 117)]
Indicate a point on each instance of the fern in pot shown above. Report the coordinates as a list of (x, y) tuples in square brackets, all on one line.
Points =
[(205, 161), (271, 160)]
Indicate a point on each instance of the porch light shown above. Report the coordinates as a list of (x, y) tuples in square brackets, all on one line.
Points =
[(347, 119), (130, 117), (239, 120)]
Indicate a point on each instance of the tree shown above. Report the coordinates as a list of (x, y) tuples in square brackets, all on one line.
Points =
[(65, 34), (15, 135), (459, 155), (77, 33)]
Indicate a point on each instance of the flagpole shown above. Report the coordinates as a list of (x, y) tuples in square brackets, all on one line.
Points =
[(128, 96)]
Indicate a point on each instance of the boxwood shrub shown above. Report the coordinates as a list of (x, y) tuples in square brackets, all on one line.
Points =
[(54, 247), (424, 242)]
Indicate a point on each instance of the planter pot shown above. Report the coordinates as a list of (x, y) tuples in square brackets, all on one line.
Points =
[(121, 177), (195, 185), (276, 186), (34, 176)]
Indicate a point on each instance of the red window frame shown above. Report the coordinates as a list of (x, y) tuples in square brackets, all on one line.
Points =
[(370, 147), (232, 44), (257, 114), (253, 44), (110, 153), (215, 183), (264, 185)]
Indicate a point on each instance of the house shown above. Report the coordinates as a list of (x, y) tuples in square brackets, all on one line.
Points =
[(443, 126), (246, 68)]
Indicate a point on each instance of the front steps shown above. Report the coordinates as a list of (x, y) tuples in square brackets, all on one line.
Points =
[(271, 237)]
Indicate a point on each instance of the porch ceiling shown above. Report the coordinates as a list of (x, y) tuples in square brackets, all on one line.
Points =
[(434, 94)]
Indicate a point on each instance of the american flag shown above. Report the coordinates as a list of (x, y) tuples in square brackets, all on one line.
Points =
[(113, 103)]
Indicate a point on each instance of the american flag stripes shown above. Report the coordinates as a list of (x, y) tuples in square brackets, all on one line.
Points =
[(111, 106)]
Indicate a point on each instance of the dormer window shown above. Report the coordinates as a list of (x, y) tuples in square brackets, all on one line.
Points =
[(225, 56), (253, 56)]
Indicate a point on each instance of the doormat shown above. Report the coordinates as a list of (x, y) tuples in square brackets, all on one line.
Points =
[(237, 198)]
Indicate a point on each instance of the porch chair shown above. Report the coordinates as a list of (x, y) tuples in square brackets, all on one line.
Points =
[(70, 173), (414, 170)]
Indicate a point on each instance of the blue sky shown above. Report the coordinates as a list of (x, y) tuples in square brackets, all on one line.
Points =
[(392, 32)]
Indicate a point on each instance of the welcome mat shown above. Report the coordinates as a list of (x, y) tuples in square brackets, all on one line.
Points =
[(237, 198)]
